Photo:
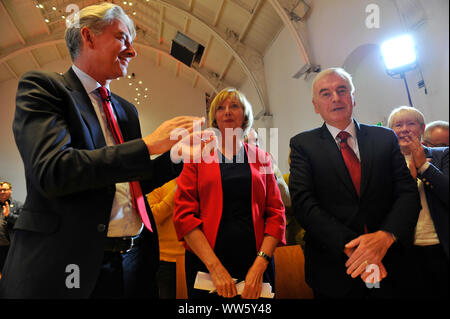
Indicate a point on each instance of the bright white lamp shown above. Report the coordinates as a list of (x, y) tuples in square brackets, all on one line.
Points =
[(399, 56)]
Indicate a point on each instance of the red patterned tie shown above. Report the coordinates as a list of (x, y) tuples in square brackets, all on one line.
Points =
[(351, 161), (135, 187)]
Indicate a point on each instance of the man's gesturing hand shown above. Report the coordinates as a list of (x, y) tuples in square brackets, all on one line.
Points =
[(159, 141)]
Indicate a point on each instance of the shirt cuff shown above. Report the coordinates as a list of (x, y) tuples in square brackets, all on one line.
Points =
[(424, 167)]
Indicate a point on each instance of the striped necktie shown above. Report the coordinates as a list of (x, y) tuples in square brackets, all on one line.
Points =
[(351, 161)]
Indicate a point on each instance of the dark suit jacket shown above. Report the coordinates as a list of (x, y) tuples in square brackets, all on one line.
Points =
[(328, 208), (71, 175), (435, 180)]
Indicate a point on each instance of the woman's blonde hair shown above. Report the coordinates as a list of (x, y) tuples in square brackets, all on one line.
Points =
[(244, 103), (405, 110)]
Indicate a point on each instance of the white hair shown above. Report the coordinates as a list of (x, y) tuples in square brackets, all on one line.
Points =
[(96, 18), (338, 71)]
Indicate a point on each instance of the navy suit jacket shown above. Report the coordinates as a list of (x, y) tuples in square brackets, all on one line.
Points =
[(435, 181), (71, 176), (327, 206)]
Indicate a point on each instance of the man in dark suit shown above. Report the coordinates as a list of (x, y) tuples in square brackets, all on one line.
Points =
[(81, 231), (353, 194)]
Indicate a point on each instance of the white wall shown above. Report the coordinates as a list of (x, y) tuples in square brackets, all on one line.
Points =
[(338, 36), (11, 167), (168, 97)]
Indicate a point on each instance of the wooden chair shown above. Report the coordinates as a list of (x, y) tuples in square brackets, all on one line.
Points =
[(290, 273), (181, 279)]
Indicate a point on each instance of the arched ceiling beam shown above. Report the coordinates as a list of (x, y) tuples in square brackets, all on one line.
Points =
[(297, 29), (29, 47), (211, 80), (249, 59), (11, 22)]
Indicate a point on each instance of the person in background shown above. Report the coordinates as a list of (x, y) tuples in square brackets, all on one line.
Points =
[(427, 265), (293, 230), (436, 134), (352, 193), (295, 234), (161, 201), (228, 208), (10, 210)]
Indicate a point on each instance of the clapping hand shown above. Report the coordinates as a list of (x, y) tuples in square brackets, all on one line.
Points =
[(5, 209)]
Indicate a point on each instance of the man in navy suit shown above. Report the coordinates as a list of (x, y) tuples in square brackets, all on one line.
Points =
[(80, 234), (357, 219)]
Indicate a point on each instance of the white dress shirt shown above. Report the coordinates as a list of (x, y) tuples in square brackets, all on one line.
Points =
[(352, 140), (425, 232), (124, 220)]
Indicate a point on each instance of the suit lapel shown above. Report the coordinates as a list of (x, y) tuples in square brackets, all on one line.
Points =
[(329, 146), (428, 153), (365, 153), (85, 107)]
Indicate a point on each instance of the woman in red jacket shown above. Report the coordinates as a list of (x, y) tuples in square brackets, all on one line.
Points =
[(228, 208)]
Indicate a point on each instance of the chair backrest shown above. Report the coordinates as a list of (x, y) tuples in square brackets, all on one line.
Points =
[(290, 273), (181, 279)]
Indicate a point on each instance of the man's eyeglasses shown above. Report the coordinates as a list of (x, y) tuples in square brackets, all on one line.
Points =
[(4, 190)]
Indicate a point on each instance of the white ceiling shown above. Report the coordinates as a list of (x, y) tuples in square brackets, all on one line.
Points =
[(235, 34)]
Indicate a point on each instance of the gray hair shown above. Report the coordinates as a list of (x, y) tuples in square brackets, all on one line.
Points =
[(405, 110), (7, 183), (432, 125), (96, 18), (338, 71)]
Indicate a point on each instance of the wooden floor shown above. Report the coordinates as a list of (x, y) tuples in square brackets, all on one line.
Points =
[(289, 274)]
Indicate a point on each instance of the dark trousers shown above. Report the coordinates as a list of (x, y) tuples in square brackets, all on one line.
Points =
[(125, 276), (387, 289), (167, 280), (3, 254), (193, 264), (426, 272)]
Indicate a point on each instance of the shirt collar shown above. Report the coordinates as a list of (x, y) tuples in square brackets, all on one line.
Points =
[(89, 83), (351, 129)]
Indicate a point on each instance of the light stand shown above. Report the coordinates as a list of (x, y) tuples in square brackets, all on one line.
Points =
[(402, 75)]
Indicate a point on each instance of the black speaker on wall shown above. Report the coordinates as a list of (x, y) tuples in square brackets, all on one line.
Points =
[(185, 49)]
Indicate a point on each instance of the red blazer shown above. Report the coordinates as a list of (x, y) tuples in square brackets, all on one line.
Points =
[(199, 199)]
